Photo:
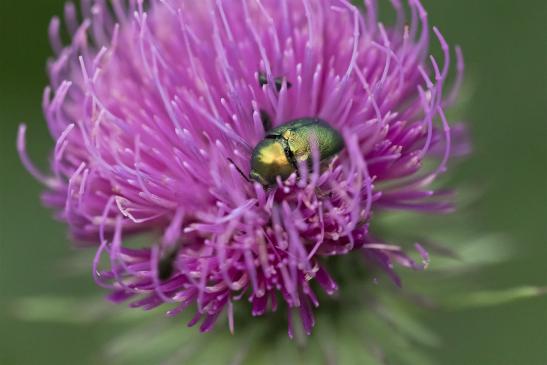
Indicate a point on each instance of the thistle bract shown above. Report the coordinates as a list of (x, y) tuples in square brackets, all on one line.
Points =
[(156, 105)]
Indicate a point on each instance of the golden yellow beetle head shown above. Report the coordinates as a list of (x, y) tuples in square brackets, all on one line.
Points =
[(269, 161)]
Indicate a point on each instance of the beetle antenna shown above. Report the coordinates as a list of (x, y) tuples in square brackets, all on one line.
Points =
[(239, 170)]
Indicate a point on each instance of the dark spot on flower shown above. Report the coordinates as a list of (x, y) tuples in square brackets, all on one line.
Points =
[(263, 80)]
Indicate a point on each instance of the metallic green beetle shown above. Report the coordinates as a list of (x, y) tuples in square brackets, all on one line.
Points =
[(289, 144)]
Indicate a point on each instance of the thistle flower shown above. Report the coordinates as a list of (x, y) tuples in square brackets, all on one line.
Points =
[(156, 107)]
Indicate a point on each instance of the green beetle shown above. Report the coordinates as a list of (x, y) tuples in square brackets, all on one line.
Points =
[(284, 147)]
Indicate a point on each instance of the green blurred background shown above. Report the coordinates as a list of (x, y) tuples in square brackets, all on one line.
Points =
[(505, 43)]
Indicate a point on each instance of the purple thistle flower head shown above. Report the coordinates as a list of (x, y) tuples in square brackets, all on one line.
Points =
[(156, 107)]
